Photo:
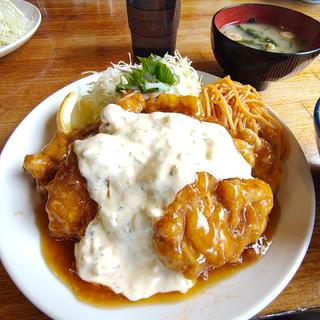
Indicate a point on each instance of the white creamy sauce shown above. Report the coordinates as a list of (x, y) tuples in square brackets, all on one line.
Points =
[(134, 168)]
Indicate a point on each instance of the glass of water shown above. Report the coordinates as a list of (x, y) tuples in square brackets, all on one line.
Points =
[(153, 25)]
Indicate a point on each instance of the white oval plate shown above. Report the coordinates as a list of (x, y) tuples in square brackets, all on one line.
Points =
[(32, 13), (240, 296)]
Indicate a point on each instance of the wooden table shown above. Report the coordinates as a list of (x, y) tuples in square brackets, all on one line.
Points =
[(77, 36)]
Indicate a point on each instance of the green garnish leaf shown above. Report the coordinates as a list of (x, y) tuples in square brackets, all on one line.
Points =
[(122, 87), (150, 90), (152, 71), (164, 74), (149, 64)]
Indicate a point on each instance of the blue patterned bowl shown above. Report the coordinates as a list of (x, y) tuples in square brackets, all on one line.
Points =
[(317, 123)]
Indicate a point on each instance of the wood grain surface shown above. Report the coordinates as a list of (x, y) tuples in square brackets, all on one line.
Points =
[(78, 36)]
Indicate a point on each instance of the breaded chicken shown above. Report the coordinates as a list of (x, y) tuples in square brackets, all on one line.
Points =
[(211, 222), (69, 206), (135, 102), (42, 166), (188, 105)]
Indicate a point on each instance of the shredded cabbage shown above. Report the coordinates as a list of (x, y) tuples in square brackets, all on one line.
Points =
[(189, 80), (13, 23), (103, 91)]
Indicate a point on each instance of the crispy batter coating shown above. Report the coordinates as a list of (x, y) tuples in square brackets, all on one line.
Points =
[(211, 222), (165, 102), (43, 166), (267, 166), (69, 206), (188, 105), (246, 150), (133, 102)]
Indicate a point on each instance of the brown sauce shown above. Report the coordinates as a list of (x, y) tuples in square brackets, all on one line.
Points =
[(59, 256)]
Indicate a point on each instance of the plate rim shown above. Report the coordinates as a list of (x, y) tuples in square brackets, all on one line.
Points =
[(253, 310)]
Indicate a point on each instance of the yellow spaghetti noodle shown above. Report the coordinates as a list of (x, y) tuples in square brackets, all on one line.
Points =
[(241, 111)]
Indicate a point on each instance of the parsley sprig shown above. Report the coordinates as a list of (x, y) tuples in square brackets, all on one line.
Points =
[(152, 76)]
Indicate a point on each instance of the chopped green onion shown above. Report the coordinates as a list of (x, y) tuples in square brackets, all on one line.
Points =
[(257, 35), (153, 75)]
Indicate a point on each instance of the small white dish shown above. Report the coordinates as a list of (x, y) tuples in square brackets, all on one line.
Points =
[(238, 297), (33, 14)]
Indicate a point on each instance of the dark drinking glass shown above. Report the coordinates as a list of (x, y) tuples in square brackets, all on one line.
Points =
[(153, 25)]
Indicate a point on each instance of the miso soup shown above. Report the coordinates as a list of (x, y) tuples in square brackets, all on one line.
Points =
[(263, 37)]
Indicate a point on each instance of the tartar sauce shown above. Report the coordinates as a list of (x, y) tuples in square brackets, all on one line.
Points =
[(134, 168)]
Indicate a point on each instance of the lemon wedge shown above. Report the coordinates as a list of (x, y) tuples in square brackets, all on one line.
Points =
[(64, 115), (76, 112)]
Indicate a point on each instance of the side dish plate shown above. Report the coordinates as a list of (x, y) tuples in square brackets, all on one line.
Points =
[(33, 14), (239, 296)]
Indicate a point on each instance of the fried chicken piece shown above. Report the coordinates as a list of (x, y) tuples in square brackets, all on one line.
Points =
[(69, 206), (211, 222), (246, 150), (267, 165), (42, 166), (166, 102), (133, 102)]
